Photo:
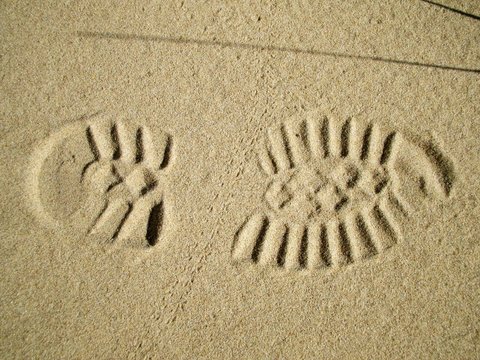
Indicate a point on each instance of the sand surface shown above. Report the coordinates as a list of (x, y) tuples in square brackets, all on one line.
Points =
[(216, 180)]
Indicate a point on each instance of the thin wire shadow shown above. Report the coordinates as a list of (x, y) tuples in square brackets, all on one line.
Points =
[(228, 44), (452, 9)]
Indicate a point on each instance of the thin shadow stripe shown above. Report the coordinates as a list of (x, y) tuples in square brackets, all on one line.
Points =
[(452, 9), (228, 44)]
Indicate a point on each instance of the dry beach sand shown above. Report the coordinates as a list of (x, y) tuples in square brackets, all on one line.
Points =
[(217, 180)]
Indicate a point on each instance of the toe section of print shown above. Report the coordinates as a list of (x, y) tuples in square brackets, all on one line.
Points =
[(337, 192)]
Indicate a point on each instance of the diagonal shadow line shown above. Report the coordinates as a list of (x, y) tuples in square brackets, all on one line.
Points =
[(452, 9), (229, 44)]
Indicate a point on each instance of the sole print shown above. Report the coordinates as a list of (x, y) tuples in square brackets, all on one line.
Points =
[(120, 167), (335, 195)]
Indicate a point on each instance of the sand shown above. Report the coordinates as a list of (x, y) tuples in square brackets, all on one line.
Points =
[(210, 180)]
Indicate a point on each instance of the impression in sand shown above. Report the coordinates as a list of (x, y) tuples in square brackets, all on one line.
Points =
[(104, 177), (336, 192)]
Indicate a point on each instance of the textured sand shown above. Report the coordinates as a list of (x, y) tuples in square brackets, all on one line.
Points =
[(207, 180)]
